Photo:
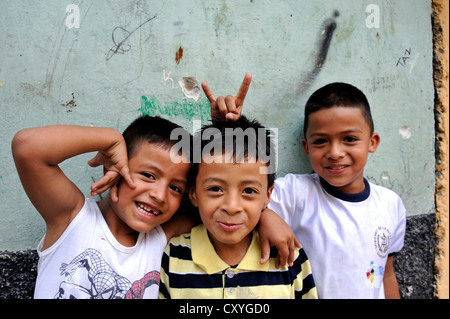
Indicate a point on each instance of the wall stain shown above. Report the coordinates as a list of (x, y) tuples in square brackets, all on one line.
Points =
[(179, 55), (220, 18), (71, 104)]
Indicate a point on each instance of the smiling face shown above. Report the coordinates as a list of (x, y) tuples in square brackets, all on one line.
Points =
[(338, 140), (230, 198), (160, 185)]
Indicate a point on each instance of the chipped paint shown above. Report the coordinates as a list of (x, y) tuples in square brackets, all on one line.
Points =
[(405, 132), (179, 55), (191, 87)]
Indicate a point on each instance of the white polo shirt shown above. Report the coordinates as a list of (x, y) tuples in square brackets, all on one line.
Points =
[(348, 237)]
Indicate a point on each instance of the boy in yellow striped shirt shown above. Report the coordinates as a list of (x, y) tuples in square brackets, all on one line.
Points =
[(220, 258)]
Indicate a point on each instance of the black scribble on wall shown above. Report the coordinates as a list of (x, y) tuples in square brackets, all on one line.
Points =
[(121, 33), (323, 46), (402, 61)]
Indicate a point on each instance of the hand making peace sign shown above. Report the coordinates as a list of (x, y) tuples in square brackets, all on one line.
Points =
[(229, 107)]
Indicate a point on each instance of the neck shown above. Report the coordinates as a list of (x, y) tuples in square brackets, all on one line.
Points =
[(232, 254), (121, 231)]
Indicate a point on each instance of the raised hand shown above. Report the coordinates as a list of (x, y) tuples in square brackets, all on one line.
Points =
[(115, 163), (229, 107)]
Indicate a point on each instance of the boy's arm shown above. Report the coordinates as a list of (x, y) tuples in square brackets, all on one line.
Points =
[(390, 281), (229, 107), (37, 153), (179, 224), (274, 231)]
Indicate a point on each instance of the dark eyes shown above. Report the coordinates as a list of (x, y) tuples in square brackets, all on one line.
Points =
[(350, 139), (249, 191), (246, 191), (347, 139), (149, 176), (176, 189), (319, 141)]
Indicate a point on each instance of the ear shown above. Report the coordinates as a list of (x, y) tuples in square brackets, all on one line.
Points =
[(269, 193), (305, 147), (114, 193), (193, 196), (374, 142)]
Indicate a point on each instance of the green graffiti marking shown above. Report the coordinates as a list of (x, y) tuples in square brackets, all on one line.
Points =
[(186, 109)]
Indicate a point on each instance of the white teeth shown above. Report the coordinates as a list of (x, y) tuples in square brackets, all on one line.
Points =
[(147, 211)]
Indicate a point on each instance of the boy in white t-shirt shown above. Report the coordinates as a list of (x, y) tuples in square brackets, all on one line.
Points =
[(350, 227), (111, 249)]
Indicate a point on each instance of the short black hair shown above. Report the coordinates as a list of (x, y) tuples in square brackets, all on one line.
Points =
[(255, 141), (151, 129), (337, 94)]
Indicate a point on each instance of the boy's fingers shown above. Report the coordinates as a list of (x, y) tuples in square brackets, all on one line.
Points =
[(94, 162), (265, 251), (208, 92), (104, 183), (222, 105), (297, 243), (231, 106), (277, 261), (282, 261), (125, 172), (283, 253), (240, 97), (231, 117), (291, 253)]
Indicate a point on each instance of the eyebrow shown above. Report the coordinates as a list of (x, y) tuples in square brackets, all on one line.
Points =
[(344, 132), (219, 180), (150, 166), (160, 172)]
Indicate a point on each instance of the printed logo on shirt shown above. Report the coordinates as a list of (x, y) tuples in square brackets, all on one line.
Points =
[(382, 238), (374, 275)]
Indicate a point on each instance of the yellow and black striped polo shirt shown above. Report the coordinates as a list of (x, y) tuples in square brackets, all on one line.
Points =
[(191, 269)]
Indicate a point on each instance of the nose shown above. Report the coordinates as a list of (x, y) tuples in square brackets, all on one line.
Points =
[(336, 151), (158, 192), (232, 203)]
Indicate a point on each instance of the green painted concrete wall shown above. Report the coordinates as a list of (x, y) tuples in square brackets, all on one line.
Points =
[(126, 58)]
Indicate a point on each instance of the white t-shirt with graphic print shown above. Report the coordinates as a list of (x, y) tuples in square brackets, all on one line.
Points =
[(88, 262), (348, 237)]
